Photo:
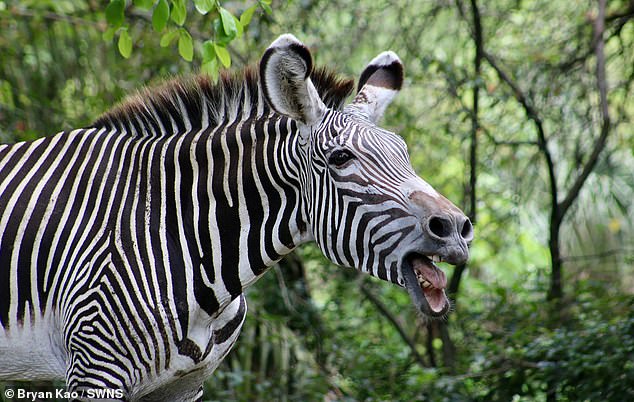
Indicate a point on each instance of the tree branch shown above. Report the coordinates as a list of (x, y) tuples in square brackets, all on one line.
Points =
[(599, 256), (478, 40), (542, 144), (530, 111), (532, 115), (615, 21), (51, 16), (599, 144), (475, 122), (395, 322)]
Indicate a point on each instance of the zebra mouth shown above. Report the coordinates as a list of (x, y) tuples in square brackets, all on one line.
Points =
[(426, 283)]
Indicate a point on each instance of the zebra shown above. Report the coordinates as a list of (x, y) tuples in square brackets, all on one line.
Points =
[(126, 246)]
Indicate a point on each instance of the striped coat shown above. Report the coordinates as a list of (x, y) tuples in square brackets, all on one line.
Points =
[(125, 247)]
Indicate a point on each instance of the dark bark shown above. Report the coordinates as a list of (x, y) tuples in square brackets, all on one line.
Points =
[(556, 215), (471, 190), (475, 123), (441, 327), (430, 344), (559, 209), (556, 290)]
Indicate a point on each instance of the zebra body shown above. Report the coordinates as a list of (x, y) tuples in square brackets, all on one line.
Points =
[(125, 247)]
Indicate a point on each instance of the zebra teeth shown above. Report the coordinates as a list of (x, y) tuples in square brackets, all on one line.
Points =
[(436, 258), (422, 281)]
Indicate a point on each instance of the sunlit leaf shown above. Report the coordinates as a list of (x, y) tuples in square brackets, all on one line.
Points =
[(223, 55), (179, 12), (209, 52), (204, 6), (247, 15), (228, 22), (125, 43), (168, 37), (239, 27), (212, 68), (144, 4), (185, 45), (220, 37), (160, 15)]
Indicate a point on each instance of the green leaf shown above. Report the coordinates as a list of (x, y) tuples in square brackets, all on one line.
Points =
[(168, 37), (247, 15), (144, 4), (223, 55), (212, 68), (204, 6), (266, 6), (239, 27), (185, 45), (228, 22), (209, 53), (6, 95), (160, 15), (179, 12), (108, 36), (114, 13), (125, 43), (220, 37)]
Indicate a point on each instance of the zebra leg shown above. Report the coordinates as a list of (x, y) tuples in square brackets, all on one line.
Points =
[(98, 358), (226, 328), (186, 384), (90, 378)]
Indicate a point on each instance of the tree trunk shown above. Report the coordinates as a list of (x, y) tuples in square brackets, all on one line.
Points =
[(555, 291)]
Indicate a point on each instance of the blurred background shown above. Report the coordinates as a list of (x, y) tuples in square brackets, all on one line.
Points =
[(520, 112)]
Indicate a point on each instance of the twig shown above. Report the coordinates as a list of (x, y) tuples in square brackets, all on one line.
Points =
[(284, 289), (504, 368), (615, 21), (51, 16), (533, 115), (475, 122), (394, 321), (599, 256), (599, 144)]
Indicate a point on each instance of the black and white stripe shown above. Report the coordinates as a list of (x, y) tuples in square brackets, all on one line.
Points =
[(125, 247)]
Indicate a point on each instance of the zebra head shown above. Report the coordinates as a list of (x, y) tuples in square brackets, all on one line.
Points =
[(363, 203)]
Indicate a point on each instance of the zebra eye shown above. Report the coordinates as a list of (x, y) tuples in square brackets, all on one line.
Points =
[(339, 157)]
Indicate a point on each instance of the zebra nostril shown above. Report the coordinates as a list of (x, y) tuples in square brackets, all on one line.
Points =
[(440, 226), (467, 230)]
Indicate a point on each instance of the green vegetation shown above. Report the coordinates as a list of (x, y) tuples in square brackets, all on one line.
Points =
[(521, 112)]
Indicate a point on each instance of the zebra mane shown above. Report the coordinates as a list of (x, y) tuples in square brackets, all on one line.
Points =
[(163, 105)]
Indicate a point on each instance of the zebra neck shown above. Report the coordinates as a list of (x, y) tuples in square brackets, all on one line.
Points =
[(234, 203)]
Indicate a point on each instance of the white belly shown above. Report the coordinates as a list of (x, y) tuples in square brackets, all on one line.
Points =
[(32, 352)]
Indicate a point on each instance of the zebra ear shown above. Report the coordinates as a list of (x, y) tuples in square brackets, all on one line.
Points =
[(381, 80), (285, 75)]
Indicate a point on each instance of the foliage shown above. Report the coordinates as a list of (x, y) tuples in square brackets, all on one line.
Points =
[(528, 355), (312, 331), (168, 18)]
